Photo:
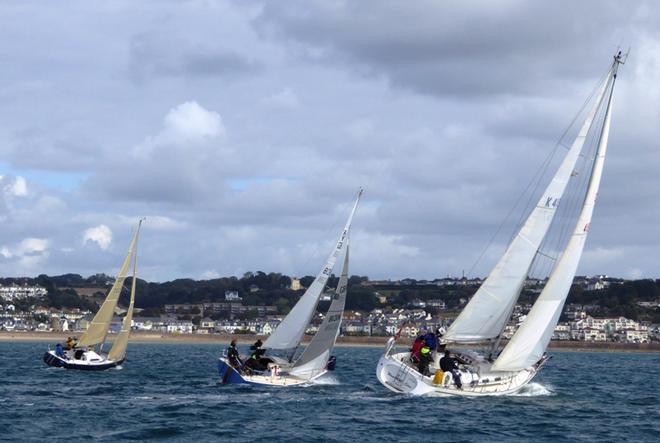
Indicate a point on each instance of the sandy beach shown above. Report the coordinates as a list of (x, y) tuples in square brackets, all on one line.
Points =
[(377, 342)]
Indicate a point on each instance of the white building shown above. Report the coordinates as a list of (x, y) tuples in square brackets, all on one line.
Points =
[(232, 296)]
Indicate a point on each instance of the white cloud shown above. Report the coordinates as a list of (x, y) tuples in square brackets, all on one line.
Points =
[(209, 275), (191, 121), (28, 247), (14, 186), (101, 235)]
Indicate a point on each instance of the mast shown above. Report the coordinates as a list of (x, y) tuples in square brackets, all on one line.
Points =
[(118, 350), (98, 329), (489, 310), (289, 333), (529, 343), (315, 356)]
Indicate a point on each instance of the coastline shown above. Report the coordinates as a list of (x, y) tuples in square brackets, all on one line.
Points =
[(371, 342)]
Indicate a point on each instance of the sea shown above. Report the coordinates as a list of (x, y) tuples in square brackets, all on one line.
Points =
[(171, 392)]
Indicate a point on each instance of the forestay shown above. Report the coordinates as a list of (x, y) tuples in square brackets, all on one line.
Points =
[(98, 329), (485, 316), (290, 332), (118, 350), (529, 343), (315, 357)]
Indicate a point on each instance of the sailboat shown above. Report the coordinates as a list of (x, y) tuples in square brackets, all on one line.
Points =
[(316, 359), (87, 354), (506, 371)]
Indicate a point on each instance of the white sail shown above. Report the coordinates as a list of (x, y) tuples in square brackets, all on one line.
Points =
[(98, 329), (315, 357), (289, 333), (529, 343), (118, 350), (488, 311)]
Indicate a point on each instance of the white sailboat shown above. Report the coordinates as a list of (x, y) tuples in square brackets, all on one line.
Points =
[(316, 359), (87, 354), (484, 318)]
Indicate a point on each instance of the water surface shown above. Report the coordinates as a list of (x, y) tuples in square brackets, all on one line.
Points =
[(170, 392)]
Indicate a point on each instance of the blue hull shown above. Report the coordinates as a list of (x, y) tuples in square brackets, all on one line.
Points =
[(56, 362), (229, 375)]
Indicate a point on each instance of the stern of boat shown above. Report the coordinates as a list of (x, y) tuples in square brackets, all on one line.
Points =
[(229, 375)]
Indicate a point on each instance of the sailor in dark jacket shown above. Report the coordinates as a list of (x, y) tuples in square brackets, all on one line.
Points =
[(233, 356), (448, 364)]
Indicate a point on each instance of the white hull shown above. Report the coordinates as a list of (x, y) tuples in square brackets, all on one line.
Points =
[(282, 378), (397, 374)]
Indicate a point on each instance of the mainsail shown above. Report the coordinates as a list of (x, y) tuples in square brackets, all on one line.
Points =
[(488, 311), (290, 332), (118, 350), (530, 341), (98, 329), (315, 357)]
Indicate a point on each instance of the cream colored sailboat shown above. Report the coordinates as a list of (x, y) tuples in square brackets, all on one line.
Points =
[(506, 371), (87, 354)]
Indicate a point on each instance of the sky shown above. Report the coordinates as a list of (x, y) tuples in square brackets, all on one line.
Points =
[(242, 131)]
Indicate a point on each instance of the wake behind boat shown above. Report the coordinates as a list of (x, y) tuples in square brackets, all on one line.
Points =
[(87, 354), (472, 373), (263, 367)]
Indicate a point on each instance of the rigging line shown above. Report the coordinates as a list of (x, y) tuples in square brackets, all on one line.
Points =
[(528, 207), (554, 240), (588, 168), (538, 176)]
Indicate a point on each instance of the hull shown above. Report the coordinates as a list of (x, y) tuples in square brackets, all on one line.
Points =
[(95, 362), (230, 376), (397, 374)]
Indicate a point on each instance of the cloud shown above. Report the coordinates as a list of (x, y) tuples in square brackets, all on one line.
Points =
[(244, 138), (190, 121), (101, 235), (159, 55), (285, 99), (13, 187), (29, 255)]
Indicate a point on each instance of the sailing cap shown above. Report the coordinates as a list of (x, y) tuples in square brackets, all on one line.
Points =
[(425, 350)]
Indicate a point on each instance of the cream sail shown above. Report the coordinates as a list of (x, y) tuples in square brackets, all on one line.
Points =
[(85, 355), (118, 350)]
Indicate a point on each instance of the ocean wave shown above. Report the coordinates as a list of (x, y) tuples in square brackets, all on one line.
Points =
[(326, 380), (534, 390)]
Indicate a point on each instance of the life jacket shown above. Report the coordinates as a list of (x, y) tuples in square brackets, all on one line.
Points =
[(417, 347)]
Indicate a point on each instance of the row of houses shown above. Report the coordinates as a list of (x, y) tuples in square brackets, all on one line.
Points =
[(227, 308), (16, 292)]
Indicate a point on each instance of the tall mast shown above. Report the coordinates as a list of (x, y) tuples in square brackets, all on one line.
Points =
[(529, 343)]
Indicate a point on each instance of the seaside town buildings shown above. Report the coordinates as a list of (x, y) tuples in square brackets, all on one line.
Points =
[(231, 316)]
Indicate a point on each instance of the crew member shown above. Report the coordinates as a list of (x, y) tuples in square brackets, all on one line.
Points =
[(448, 364), (233, 356), (417, 346), (424, 360)]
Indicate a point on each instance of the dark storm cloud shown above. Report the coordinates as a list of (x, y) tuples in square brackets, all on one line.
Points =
[(459, 48)]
